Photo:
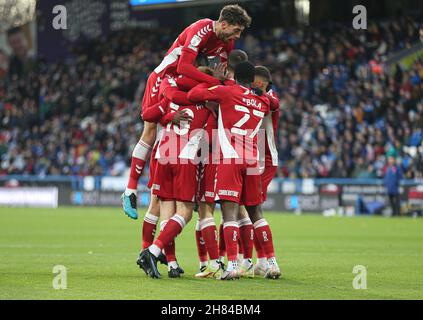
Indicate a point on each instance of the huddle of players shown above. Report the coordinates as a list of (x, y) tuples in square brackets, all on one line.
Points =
[(208, 124)]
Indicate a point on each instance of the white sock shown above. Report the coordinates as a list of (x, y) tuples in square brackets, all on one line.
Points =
[(262, 261), (232, 265), (222, 259), (141, 150), (128, 192), (214, 264), (247, 262), (155, 250), (203, 264), (240, 257), (172, 264), (151, 218)]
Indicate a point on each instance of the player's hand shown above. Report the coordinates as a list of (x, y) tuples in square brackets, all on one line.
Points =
[(212, 107), (219, 71), (181, 116)]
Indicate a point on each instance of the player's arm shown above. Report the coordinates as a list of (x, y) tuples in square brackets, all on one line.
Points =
[(186, 68), (274, 103), (155, 112), (176, 96), (185, 83), (202, 93), (194, 42)]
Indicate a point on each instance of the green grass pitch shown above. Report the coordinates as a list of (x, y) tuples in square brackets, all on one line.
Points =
[(99, 246)]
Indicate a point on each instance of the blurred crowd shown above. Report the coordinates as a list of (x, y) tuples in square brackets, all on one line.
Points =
[(343, 111)]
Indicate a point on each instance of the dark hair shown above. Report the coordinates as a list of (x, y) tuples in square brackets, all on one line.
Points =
[(244, 72), (201, 59), (236, 56), (263, 72), (235, 15), (13, 31)]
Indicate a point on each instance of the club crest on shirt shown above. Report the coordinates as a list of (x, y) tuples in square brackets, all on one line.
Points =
[(195, 41)]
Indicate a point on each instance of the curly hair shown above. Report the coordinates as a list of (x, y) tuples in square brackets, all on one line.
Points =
[(235, 15)]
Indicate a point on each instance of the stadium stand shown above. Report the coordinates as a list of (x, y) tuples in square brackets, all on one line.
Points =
[(340, 106)]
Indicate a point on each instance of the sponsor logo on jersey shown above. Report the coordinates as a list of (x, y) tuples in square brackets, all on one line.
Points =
[(209, 194), (230, 193)]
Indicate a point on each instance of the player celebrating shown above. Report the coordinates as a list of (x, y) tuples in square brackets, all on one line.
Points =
[(241, 114), (206, 230), (263, 81), (175, 183), (213, 39)]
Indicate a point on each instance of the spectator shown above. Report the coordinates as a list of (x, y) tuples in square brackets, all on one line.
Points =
[(20, 61), (392, 179)]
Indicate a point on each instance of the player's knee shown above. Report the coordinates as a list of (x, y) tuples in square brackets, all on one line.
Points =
[(254, 213), (205, 210), (149, 133), (154, 207)]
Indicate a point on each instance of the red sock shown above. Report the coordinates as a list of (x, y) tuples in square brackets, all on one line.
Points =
[(240, 247), (264, 237), (170, 251), (209, 234), (222, 246), (139, 157), (259, 250), (170, 231), (201, 245), (247, 238), (148, 230), (231, 232)]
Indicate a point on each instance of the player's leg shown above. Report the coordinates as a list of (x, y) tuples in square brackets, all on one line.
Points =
[(261, 266), (246, 232), (222, 246), (228, 192), (152, 216), (231, 231), (162, 187), (201, 249), (264, 236), (209, 234), (170, 248), (149, 224), (201, 245), (141, 150), (182, 185)]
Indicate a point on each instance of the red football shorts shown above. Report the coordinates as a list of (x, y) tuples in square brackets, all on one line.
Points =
[(267, 177), (240, 183), (151, 92), (207, 183), (175, 182)]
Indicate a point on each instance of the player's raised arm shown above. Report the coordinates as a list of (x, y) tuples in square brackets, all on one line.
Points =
[(196, 38), (155, 112), (204, 92), (176, 94)]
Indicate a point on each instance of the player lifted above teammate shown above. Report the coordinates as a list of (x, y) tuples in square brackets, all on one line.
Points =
[(211, 38)]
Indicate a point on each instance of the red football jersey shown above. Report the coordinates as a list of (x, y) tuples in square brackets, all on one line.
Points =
[(270, 124), (182, 141), (241, 114), (198, 37)]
